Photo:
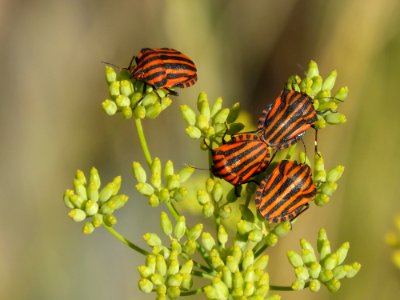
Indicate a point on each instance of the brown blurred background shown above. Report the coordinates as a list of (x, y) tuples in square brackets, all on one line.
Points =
[(52, 85)]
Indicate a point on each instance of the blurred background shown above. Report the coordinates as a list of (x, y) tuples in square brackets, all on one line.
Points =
[(52, 85)]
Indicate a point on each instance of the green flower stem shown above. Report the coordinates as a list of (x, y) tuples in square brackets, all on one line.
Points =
[(197, 264), (143, 141), (125, 241), (280, 288), (172, 209), (260, 248), (202, 274), (194, 292)]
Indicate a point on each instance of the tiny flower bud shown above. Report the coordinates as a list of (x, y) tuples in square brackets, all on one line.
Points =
[(335, 174), (222, 235), (110, 74), (140, 112), (227, 276), (161, 265), (282, 229), (216, 261), (233, 113), (244, 227), (188, 115), (144, 188), (88, 228), (208, 210), (262, 262), (325, 275), (180, 228), (210, 185), (173, 182), (80, 189), (166, 224), (342, 252), (295, 259), (341, 94), (221, 116), (308, 256), (200, 99), (164, 195), (320, 176), (355, 267), (272, 239), (149, 99), (316, 85), (340, 272), (314, 269), (109, 107), (152, 239), (312, 69), (232, 264), (327, 106), (248, 289), (145, 285), (165, 102), (187, 267), (94, 177), (298, 285), (145, 271), (189, 247), (110, 220), (207, 241), (126, 88), (153, 200), (225, 212), (180, 193), (155, 177), (113, 89), (174, 280), (157, 279), (321, 199), (93, 192), (333, 285), (77, 201), (321, 123), (78, 215), (122, 101), (185, 173), (329, 82), (248, 259), (173, 266), (127, 112), (154, 110), (325, 249), (67, 198), (202, 122), (255, 235), (91, 207), (335, 118), (302, 273), (139, 172), (328, 188), (97, 220), (168, 169), (216, 107), (314, 285), (195, 232)]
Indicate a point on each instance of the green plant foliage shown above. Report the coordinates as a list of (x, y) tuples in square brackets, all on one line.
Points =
[(231, 260)]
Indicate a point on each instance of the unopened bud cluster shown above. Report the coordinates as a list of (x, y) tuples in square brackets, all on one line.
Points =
[(325, 100), (328, 269), (163, 185), (326, 181), (393, 240), (212, 122), (133, 97), (88, 201), (239, 274), (168, 269), (214, 200)]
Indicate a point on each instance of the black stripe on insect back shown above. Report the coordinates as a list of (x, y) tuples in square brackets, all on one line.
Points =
[(249, 159)]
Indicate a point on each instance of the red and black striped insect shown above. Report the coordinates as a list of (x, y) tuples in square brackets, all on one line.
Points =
[(163, 68), (243, 157), (284, 194), (287, 119)]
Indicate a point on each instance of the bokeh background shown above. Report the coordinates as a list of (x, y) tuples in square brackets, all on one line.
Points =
[(52, 85)]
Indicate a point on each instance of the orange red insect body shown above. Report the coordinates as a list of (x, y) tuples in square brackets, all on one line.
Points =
[(164, 68), (243, 157), (291, 114), (285, 193)]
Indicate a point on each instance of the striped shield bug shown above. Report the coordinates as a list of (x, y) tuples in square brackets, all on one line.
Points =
[(284, 193), (163, 68), (285, 121), (243, 157)]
